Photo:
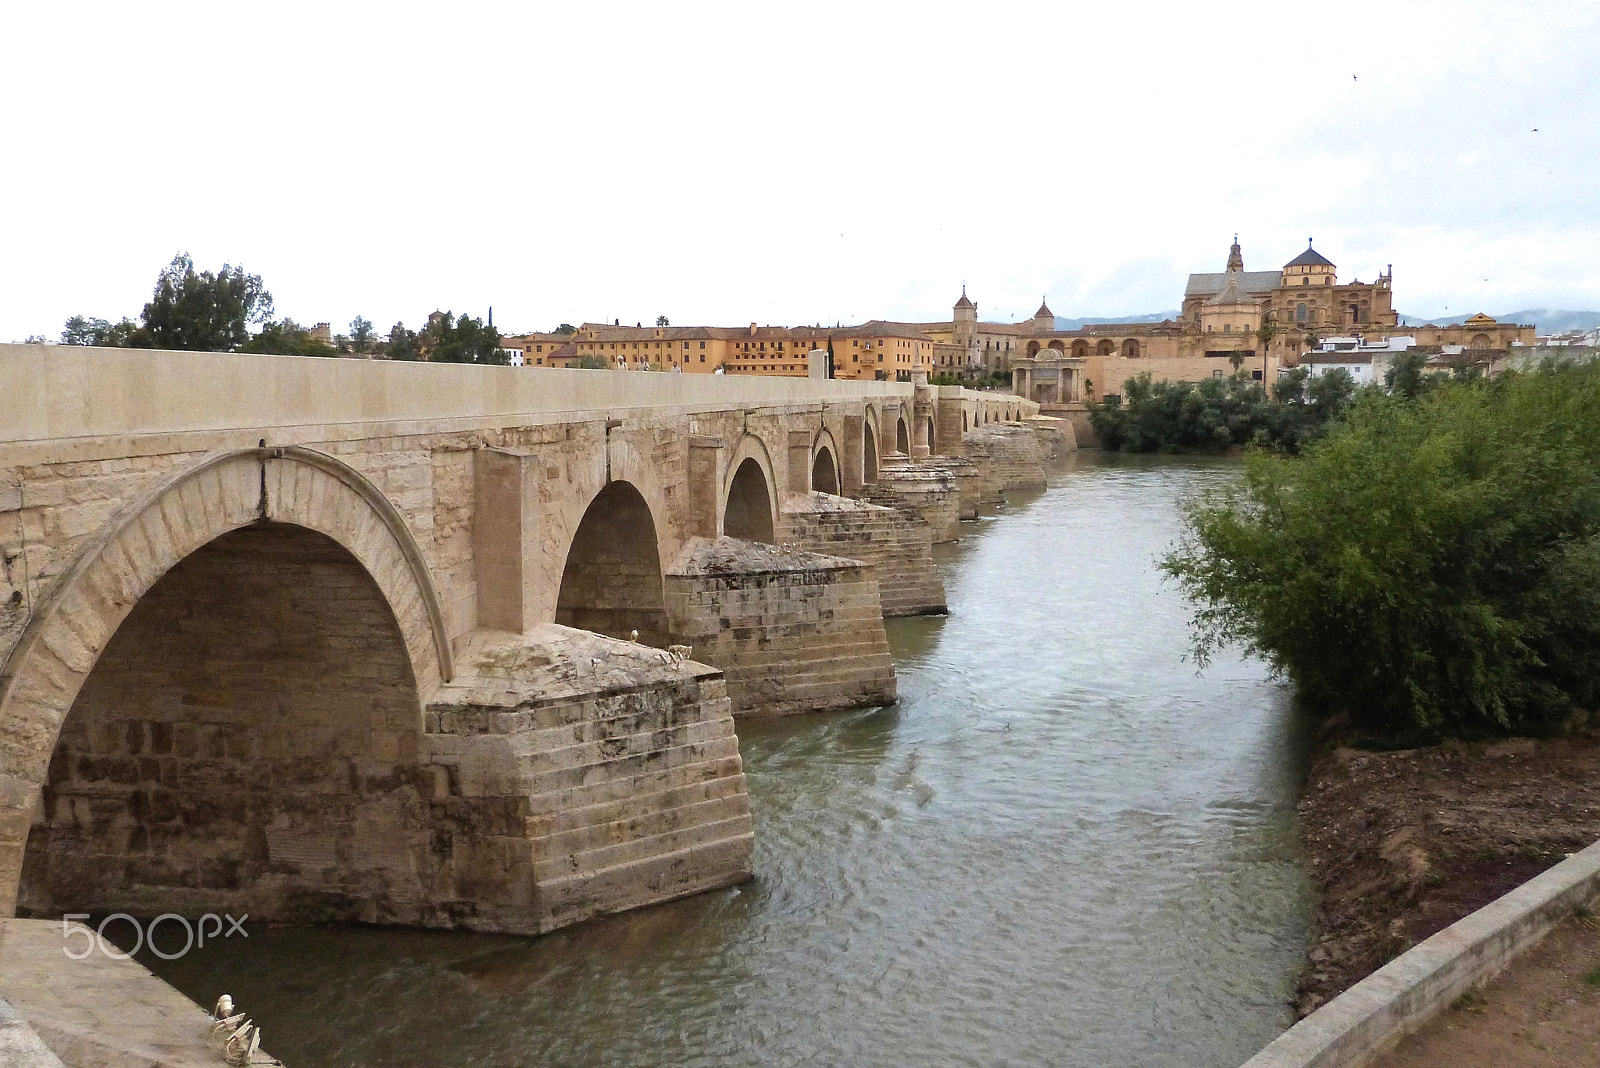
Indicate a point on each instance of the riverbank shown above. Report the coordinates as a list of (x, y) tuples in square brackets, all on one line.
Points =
[(1402, 844)]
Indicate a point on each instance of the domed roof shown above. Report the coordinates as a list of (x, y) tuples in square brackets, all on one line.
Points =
[(964, 302), (1310, 258), (1233, 292)]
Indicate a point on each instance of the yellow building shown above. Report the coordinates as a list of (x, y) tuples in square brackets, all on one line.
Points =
[(874, 351)]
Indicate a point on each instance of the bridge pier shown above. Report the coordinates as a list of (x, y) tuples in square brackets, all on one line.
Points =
[(897, 544), (793, 631)]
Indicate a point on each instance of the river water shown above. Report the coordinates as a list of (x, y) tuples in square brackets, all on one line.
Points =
[(1063, 847)]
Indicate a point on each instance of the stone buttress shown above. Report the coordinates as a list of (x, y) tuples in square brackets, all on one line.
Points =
[(793, 631)]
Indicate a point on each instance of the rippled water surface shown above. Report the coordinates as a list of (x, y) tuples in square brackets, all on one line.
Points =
[(1063, 847)]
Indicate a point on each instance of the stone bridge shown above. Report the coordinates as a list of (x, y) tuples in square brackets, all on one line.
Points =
[(385, 642)]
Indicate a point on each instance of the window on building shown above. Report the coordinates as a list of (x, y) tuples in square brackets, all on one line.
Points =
[(1300, 312)]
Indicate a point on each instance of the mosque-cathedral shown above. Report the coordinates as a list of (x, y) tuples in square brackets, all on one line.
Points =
[(1232, 320)]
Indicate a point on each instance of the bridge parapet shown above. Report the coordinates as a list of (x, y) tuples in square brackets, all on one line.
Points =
[(462, 508)]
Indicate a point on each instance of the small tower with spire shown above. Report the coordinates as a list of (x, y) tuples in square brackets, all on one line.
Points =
[(1044, 320), (1235, 257), (966, 322)]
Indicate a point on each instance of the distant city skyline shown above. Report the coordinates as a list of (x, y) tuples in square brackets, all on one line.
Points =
[(726, 164)]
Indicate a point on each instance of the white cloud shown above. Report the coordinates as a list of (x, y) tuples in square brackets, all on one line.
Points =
[(727, 163)]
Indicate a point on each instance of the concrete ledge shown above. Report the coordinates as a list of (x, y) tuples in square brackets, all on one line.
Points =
[(1402, 995), (20, 1047), (97, 1012)]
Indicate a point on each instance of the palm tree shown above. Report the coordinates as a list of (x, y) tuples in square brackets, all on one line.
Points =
[(1265, 334)]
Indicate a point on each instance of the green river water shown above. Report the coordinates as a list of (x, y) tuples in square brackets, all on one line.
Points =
[(1063, 847)]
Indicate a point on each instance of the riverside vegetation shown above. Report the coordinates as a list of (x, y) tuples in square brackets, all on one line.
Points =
[(1430, 567), (1220, 413), (1426, 573)]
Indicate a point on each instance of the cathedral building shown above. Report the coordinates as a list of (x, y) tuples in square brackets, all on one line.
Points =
[(1234, 321)]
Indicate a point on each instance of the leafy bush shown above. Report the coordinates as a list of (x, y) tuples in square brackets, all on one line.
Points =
[(1216, 413), (1431, 567)]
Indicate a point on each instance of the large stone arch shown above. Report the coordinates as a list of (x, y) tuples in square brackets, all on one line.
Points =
[(902, 436), (272, 492), (826, 473), (1080, 349), (748, 505), (611, 580)]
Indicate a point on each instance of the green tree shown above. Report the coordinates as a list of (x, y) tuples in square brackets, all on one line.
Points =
[(566, 329), (1405, 375), (203, 310), (590, 362), (403, 344), (1430, 568), (445, 339), (287, 338), (1265, 333), (80, 330), (361, 335), (661, 320)]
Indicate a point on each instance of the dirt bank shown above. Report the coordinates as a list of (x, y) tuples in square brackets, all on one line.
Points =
[(1402, 844)]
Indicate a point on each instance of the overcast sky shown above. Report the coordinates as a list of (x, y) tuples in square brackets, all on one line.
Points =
[(786, 164)]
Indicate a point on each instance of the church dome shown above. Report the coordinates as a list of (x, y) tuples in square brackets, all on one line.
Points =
[(1310, 258)]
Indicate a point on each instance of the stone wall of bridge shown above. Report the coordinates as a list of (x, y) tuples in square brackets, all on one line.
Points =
[(481, 764)]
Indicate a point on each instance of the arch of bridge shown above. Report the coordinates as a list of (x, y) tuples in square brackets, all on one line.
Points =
[(143, 541), (750, 447), (824, 441)]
